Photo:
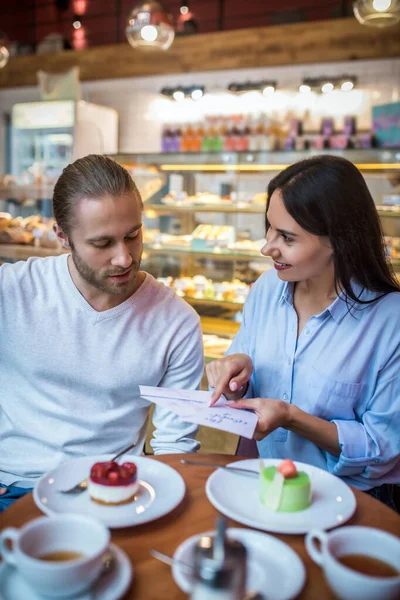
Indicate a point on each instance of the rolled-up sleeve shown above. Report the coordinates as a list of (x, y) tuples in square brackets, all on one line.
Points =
[(370, 448)]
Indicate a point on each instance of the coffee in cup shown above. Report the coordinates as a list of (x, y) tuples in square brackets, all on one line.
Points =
[(359, 563), (58, 556)]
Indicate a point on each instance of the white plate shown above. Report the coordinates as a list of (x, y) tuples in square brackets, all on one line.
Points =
[(272, 566), (110, 586), (161, 490), (237, 497)]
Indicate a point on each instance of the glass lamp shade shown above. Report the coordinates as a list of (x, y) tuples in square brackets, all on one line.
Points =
[(150, 24), (4, 53), (377, 13)]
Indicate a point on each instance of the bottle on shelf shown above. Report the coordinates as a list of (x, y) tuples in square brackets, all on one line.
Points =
[(235, 133), (177, 139), (252, 135), (206, 143), (229, 145), (199, 137), (166, 139), (190, 138), (220, 135)]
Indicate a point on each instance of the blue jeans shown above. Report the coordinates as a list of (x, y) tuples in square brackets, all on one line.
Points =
[(12, 494)]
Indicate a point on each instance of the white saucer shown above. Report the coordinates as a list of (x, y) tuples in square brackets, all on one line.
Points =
[(161, 490), (110, 586), (333, 501), (272, 566)]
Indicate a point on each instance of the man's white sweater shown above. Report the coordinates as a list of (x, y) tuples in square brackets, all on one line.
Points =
[(69, 375)]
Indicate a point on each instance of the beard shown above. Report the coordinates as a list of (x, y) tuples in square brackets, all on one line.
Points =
[(101, 279)]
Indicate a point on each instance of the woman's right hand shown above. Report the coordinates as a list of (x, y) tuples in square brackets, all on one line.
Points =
[(229, 376)]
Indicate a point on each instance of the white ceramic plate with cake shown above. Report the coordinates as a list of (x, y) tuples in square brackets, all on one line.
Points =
[(317, 499), (152, 491), (272, 566)]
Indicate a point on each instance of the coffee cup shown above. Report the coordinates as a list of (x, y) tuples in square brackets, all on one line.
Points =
[(57, 556), (349, 555)]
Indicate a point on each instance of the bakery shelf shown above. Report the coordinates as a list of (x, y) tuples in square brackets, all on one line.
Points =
[(220, 254), (22, 193), (227, 304), (227, 207), (389, 213), (373, 159), (221, 327), (21, 252)]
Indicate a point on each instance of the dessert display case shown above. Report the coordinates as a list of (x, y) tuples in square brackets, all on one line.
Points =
[(204, 224)]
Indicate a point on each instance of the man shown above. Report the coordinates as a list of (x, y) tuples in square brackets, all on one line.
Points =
[(81, 331)]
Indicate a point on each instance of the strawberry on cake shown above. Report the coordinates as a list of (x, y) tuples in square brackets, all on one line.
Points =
[(113, 484)]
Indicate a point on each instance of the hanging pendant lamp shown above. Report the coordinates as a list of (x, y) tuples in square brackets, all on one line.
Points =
[(377, 13), (4, 53), (150, 24)]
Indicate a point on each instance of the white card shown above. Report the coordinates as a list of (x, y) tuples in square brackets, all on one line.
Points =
[(193, 406)]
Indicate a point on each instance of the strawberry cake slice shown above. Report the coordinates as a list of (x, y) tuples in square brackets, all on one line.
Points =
[(113, 484)]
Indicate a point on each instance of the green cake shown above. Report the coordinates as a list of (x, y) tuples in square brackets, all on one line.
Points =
[(284, 493)]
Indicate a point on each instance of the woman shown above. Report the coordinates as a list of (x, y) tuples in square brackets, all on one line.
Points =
[(318, 354)]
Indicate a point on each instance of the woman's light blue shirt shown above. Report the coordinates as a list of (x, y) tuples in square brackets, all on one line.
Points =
[(344, 367)]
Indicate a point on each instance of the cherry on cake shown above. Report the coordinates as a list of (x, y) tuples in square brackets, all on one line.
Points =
[(113, 484), (284, 488)]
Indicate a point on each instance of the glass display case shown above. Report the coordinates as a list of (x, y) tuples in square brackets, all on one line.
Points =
[(204, 224)]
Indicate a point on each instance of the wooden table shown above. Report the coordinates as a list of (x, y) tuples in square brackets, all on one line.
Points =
[(153, 580)]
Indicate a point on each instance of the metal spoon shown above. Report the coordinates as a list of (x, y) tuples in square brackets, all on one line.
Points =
[(168, 560), (200, 463)]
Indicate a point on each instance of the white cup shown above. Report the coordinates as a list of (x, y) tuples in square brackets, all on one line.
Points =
[(73, 533), (347, 583)]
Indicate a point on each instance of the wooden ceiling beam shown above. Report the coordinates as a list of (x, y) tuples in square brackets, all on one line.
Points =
[(300, 43)]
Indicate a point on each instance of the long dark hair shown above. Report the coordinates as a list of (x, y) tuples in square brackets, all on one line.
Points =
[(327, 196)]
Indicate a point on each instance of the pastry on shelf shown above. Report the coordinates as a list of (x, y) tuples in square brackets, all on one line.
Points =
[(5, 220), (247, 245), (150, 234), (15, 235), (201, 288), (260, 199), (215, 345), (207, 236), (201, 198)]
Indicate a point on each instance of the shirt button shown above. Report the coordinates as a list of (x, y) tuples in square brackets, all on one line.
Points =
[(289, 362), (377, 461), (307, 331), (285, 396)]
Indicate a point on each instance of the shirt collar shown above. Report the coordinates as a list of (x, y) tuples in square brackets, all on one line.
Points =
[(287, 293), (339, 307), (342, 306)]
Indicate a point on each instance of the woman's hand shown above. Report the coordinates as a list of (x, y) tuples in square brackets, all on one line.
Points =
[(229, 376), (271, 414), (277, 413)]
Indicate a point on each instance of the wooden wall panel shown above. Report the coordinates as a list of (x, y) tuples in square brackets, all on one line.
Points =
[(29, 20), (329, 41)]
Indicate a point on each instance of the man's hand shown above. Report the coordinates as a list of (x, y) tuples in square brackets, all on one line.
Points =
[(271, 414), (229, 376)]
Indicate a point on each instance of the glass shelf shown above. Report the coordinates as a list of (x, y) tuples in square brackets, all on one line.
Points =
[(227, 207), (373, 159), (219, 254)]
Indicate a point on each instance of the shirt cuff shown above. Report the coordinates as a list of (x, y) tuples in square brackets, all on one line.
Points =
[(353, 442)]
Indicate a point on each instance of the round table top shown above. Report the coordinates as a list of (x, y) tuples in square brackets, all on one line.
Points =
[(153, 580)]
